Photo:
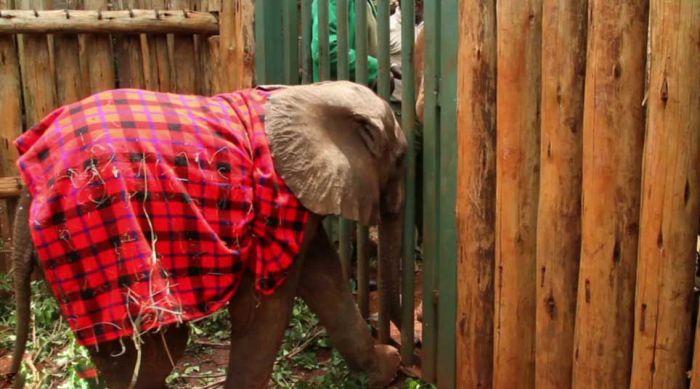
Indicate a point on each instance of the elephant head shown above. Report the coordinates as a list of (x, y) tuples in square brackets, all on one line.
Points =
[(340, 149)]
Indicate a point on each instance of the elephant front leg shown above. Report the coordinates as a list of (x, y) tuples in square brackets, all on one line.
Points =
[(322, 287), (258, 324)]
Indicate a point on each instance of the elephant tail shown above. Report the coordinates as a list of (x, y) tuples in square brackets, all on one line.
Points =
[(23, 265)]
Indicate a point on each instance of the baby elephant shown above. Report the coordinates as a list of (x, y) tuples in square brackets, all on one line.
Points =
[(146, 210)]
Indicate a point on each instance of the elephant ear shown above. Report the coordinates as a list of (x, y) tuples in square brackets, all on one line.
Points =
[(332, 145)]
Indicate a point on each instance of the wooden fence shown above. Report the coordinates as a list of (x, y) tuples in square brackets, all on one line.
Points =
[(577, 177), (55, 52), (578, 201)]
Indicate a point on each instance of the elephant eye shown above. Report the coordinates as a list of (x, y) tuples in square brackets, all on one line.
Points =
[(400, 160)]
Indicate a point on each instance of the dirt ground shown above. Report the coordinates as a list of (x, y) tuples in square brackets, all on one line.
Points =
[(212, 357), (205, 363)]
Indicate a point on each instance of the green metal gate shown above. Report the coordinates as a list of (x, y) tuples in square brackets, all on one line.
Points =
[(283, 39)]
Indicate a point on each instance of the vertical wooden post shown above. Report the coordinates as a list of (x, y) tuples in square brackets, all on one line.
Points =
[(236, 65), (38, 82), (213, 5), (559, 212), (154, 50), (213, 44), (183, 53), (70, 86), (476, 191), (10, 128), (97, 55), (613, 132), (11, 98), (204, 66), (518, 94), (127, 50), (695, 369), (670, 204)]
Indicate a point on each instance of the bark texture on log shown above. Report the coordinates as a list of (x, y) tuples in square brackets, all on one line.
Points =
[(476, 192), (517, 169), (613, 134), (670, 204), (100, 21), (559, 212)]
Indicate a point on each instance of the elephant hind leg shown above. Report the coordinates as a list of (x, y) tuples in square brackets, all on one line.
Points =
[(115, 363), (322, 287)]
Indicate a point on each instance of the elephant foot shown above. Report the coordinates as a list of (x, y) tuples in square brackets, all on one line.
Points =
[(388, 360)]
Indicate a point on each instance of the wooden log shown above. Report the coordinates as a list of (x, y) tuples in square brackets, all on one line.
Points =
[(127, 50), (183, 55), (236, 64), (559, 211), (97, 56), (10, 129), (5, 237), (214, 50), (204, 67), (10, 186), (518, 94), (11, 98), (154, 49), (670, 204), (163, 64), (70, 86), (695, 369), (147, 21), (476, 191), (213, 5), (613, 132), (38, 81)]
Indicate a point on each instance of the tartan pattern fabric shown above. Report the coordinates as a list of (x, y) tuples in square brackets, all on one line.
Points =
[(148, 207)]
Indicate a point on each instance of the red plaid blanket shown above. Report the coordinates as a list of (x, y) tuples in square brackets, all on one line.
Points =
[(147, 207)]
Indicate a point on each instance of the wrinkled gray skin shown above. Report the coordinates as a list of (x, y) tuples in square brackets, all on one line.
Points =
[(340, 150)]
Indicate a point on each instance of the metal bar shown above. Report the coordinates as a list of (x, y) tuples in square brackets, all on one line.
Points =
[(323, 43), (361, 42), (384, 87), (307, 60), (269, 49), (408, 122), (290, 20), (345, 226), (384, 92), (362, 231), (345, 230), (447, 242), (342, 22), (431, 174), (363, 270)]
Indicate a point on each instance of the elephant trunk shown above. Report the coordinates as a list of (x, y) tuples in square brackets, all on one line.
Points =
[(23, 265), (390, 248)]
